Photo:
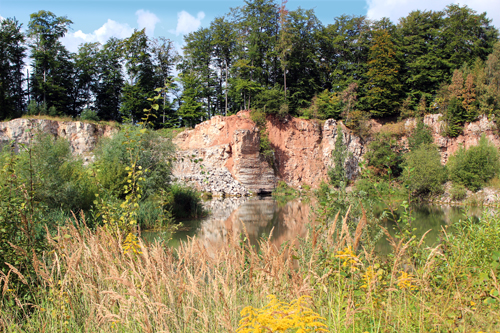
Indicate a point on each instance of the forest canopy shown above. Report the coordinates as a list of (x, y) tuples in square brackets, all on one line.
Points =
[(260, 55)]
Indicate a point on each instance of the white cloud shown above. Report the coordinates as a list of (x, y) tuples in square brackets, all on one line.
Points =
[(187, 23), (148, 20), (395, 9), (1, 18), (110, 29)]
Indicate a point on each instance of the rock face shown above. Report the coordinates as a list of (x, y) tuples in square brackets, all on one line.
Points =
[(82, 136), (221, 155), (470, 137), (230, 145), (303, 149)]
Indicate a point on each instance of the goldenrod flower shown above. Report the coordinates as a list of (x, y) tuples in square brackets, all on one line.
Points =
[(349, 258), (405, 281)]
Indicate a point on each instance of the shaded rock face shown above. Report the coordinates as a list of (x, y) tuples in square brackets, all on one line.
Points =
[(82, 136), (223, 146), (470, 137)]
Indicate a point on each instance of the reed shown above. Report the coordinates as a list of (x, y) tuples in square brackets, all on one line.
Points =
[(88, 284)]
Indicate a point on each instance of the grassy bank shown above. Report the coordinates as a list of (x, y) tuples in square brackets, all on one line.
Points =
[(88, 282)]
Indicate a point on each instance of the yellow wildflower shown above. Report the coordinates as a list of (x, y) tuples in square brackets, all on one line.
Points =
[(405, 281), (131, 244), (279, 316), (349, 258)]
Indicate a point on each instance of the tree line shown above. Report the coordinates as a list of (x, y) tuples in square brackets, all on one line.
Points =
[(261, 55)]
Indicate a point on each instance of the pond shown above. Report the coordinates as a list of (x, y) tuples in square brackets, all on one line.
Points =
[(230, 217)]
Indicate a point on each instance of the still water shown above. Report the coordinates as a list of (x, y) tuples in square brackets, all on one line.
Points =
[(260, 216)]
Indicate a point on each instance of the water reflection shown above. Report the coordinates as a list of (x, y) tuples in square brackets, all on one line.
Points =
[(259, 216), (230, 217)]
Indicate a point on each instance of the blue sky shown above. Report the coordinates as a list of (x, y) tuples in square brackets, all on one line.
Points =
[(97, 20)]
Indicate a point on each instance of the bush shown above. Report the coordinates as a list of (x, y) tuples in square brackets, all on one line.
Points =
[(271, 101), (89, 115), (59, 179), (358, 122), (458, 192), (184, 202), (259, 118), (424, 173), (384, 155), (154, 154), (475, 166), (325, 105), (420, 135)]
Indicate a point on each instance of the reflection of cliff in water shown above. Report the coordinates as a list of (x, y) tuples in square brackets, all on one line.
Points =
[(258, 216)]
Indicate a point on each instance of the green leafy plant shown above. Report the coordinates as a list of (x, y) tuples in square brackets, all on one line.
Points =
[(473, 167), (426, 174)]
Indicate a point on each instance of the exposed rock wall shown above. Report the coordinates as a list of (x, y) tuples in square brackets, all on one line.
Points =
[(303, 150), (228, 146), (221, 155), (82, 136)]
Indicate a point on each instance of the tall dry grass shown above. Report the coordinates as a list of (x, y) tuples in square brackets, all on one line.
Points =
[(89, 285)]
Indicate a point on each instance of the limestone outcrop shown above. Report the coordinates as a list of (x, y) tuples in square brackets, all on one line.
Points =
[(230, 145), (303, 149), (221, 155), (227, 146), (82, 136)]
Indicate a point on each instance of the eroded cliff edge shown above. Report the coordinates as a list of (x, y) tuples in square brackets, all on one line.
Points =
[(82, 136), (221, 155)]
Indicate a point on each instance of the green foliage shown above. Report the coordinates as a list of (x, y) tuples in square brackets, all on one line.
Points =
[(384, 155), (455, 117), (22, 235), (89, 114), (325, 105), (12, 54), (358, 122), (113, 156), (59, 179), (458, 192), (338, 174), (420, 135), (423, 173), (266, 149), (184, 202), (475, 166), (271, 101), (384, 87)]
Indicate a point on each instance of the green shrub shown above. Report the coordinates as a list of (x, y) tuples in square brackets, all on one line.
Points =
[(89, 115), (325, 105), (59, 179), (184, 202), (475, 166), (113, 156), (271, 101), (423, 172), (454, 116), (338, 174), (358, 122), (384, 155), (259, 118), (458, 192), (421, 134)]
